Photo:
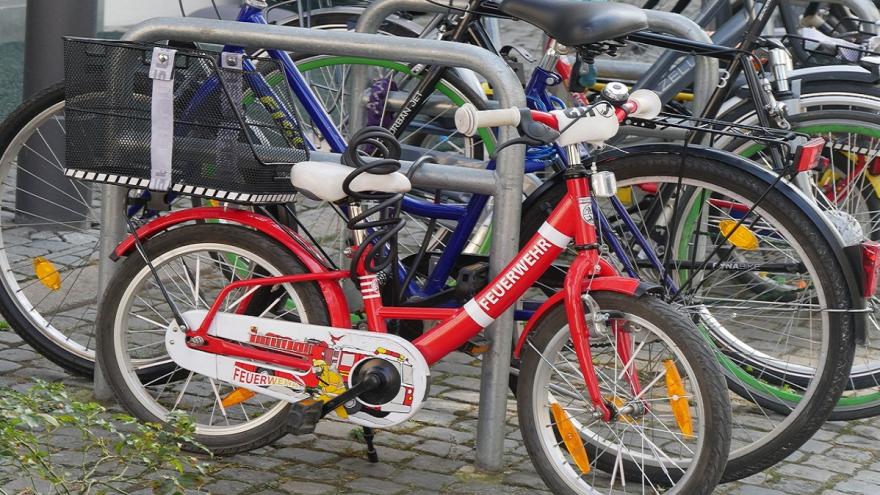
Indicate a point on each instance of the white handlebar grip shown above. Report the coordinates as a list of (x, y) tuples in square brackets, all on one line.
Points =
[(649, 104), (468, 119)]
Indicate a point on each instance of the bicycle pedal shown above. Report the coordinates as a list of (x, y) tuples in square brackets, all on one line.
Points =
[(475, 346), (304, 416)]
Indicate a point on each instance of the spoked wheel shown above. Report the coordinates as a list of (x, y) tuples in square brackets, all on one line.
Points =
[(672, 421), (194, 263), (849, 181), (785, 356), (48, 256)]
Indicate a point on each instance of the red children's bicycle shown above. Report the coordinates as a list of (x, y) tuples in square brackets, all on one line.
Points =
[(241, 326)]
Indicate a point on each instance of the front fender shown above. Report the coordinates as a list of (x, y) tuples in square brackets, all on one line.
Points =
[(334, 298), (621, 285)]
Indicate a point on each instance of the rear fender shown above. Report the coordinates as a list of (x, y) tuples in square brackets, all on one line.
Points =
[(298, 247)]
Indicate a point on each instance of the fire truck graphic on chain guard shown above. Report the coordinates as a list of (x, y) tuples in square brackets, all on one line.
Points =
[(334, 352)]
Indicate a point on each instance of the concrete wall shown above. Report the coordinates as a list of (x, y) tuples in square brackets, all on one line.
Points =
[(121, 13), (11, 20)]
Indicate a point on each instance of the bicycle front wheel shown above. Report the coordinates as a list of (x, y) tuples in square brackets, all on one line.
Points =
[(48, 236), (779, 346), (678, 432)]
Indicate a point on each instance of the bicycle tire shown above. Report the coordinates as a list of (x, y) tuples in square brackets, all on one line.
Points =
[(848, 131), (702, 475), (119, 299), (22, 315), (831, 378)]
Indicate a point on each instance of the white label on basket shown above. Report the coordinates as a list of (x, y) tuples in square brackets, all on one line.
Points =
[(162, 115)]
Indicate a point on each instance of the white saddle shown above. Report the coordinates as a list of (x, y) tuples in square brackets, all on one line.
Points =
[(323, 180)]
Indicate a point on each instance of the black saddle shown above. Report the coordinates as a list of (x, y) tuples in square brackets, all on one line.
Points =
[(575, 23)]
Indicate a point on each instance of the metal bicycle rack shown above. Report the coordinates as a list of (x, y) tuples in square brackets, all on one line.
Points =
[(705, 79), (505, 182), (706, 74)]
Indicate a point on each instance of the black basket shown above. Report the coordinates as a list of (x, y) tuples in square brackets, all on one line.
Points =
[(235, 135), (822, 54)]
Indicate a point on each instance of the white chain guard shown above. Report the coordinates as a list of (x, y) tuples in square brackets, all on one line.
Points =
[(342, 349)]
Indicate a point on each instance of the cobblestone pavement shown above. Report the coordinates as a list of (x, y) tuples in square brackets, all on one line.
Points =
[(435, 452)]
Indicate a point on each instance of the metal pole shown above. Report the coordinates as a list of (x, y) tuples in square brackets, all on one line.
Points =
[(508, 173), (43, 194)]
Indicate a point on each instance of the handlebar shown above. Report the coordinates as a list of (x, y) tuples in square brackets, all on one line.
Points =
[(642, 103), (468, 119)]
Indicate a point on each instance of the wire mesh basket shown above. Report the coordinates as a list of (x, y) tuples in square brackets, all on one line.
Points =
[(229, 131), (818, 53)]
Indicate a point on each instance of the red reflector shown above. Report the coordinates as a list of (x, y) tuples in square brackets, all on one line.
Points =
[(649, 187), (808, 154), (871, 266)]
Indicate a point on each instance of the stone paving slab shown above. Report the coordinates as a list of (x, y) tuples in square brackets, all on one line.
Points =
[(435, 452)]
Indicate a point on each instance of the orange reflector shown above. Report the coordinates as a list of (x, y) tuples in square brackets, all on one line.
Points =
[(571, 437), (46, 273), (237, 396), (740, 237), (678, 399)]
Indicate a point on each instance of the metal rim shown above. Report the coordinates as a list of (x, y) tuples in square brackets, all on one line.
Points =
[(128, 370)]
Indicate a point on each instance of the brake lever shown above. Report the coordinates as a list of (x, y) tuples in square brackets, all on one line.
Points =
[(535, 133)]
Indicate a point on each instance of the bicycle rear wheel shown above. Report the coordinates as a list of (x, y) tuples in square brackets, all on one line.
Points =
[(849, 182), (194, 263)]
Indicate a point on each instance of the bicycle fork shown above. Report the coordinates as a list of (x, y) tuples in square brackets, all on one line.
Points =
[(585, 266)]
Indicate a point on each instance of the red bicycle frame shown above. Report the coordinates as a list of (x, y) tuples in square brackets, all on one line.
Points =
[(572, 218)]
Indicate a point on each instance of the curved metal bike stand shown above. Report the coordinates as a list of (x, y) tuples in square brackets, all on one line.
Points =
[(863, 9), (706, 69), (506, 181)]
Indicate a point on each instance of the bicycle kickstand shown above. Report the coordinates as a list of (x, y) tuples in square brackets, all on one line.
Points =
[(372, 455)]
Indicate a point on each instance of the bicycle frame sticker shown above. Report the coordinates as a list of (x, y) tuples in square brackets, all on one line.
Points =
[(291, 361), (585, 205)]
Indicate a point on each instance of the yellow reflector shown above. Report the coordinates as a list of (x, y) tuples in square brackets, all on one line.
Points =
[(46, 273), (829, 176), (625, 195), (570, 437), (487, 90), (742, 237), (237, 396), (678, 399)]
